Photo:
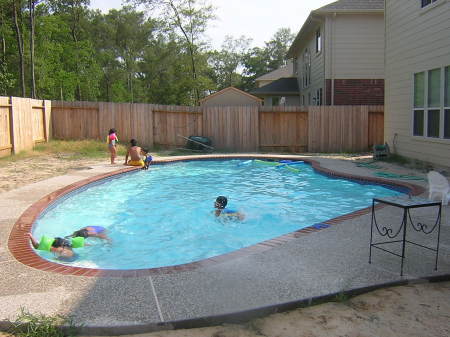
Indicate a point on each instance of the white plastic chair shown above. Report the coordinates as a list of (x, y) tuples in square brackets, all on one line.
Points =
[(438, 184)]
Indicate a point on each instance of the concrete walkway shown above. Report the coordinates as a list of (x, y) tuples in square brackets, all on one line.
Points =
[(330, 261)]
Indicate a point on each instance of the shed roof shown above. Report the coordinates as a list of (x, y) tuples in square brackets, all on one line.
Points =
[(286, 86), (230, 89)]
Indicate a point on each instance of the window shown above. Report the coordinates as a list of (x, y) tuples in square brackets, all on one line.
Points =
[(418, 123), (431, 106), (419, 88), (319, 94), (295, 66), (306, 74), (427, 2), (318, 41), (447, 102)]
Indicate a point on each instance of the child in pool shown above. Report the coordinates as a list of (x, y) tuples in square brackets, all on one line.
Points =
[(147, 160), (91, 232), (112, 144), (220, 204), (62, 248)]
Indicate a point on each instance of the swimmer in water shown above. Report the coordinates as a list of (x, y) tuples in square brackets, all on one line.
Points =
[(91, 232), (221, 210), (62, 248)]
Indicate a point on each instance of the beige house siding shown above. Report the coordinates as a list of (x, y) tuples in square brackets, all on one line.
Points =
[(357, 46), (230, 97), (317, 67), (417, 39)]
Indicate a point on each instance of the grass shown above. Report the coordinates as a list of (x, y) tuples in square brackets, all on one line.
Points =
[(396, 159), (39, 325), (66, 149), (79, 149), (76, 149)]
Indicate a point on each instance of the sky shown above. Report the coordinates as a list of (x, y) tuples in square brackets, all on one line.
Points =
[(256, 19)]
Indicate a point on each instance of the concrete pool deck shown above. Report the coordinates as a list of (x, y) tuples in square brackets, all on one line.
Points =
[(278, 277)]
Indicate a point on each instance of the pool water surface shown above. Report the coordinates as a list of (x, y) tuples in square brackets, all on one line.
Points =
[(164, 216)]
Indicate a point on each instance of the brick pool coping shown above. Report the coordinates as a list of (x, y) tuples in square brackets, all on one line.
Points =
[(20, 247)]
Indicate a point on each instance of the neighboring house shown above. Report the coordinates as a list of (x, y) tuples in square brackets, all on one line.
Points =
[(230, 96), (417, 56), (279, 87), (339, 54), (286, 70), (283, 91)]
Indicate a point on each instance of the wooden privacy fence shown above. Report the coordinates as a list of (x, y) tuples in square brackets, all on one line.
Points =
[(23, 123), (232, 128)]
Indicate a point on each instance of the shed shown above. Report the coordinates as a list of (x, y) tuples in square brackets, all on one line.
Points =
[(230, 96)]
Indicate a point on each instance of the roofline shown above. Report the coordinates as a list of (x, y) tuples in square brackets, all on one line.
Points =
[(228, 89), (278, 93), (316, 15)]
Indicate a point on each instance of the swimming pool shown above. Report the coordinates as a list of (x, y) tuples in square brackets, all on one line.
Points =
[(163, 217)]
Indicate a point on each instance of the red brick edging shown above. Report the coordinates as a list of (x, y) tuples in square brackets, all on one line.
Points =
[(21, 249)]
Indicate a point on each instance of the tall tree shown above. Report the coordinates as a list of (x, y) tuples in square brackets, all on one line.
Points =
[(17, 17), (225, 63), (74, 12), (191, 18), (260, 61), (31, 9)]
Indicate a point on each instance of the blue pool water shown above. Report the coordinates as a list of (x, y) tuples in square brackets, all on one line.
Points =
[(164, 216)]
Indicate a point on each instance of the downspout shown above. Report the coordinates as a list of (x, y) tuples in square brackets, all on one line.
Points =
[(331, 57)]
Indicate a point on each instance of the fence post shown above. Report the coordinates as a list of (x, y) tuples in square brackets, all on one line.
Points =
[(11, 125), (47, 107)]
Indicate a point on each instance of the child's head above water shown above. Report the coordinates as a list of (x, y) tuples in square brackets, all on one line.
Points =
[(221, 202), (60, 242)]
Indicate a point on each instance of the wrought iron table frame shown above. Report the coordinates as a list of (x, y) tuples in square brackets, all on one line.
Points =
[(418, 227)]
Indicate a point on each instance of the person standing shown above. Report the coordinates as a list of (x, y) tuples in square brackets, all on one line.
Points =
[(112, 144)]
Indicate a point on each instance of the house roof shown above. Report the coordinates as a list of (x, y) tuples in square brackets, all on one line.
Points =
[(352, 5), (341, 6), (283, 71), (283, 86), (230, 89)]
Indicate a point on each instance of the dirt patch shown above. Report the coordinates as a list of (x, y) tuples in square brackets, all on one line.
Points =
[(419, 310), (27, 171)]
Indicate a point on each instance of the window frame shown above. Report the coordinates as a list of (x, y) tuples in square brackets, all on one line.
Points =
[(424, 5), (306, 69), (318, 41), (426, 109)]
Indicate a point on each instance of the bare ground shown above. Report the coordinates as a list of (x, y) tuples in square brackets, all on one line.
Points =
[(414, 310)]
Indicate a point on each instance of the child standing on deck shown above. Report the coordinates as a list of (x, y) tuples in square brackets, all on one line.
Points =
[(112, 144)]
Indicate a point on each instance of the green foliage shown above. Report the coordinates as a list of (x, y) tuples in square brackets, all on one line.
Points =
[(6, 79), (260, 61), (127, 55), (39, 325)]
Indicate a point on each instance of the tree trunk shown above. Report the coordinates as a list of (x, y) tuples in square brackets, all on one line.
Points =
[(191, 51), (20, 48), (33, 80)]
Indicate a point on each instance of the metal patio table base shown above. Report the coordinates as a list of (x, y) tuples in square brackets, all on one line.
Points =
[(406, 203)]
